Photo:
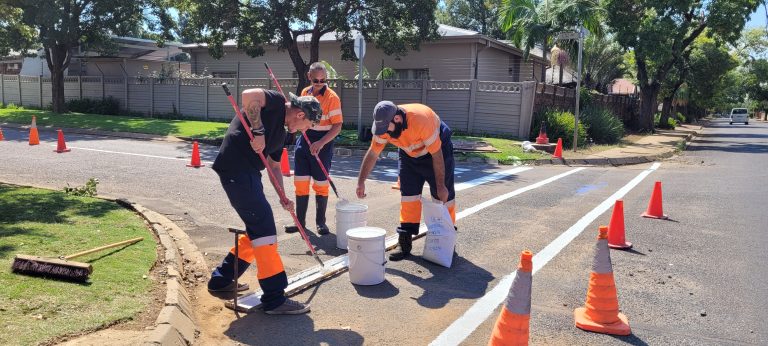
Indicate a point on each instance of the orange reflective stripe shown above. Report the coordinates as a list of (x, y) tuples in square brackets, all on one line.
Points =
[(452, 211), (268, 261), (245, 250), (410, 211), (302, 185), (320, 188)]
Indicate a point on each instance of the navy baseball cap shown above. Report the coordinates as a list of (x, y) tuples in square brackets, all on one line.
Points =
[(383, 114)]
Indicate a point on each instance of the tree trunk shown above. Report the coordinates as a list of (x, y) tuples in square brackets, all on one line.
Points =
[(648, 96), (58, 59), (664, 118), (560, 68)]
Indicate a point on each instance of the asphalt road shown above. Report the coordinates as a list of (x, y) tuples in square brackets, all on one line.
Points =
[(699, 278)]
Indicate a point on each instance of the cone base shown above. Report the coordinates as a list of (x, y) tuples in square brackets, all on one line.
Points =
[(626, 245), (62, 151), (195, 166), (660, 217), (584, 322), (38, 143)]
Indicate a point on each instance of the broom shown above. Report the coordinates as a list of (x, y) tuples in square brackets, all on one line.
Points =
[(61, 268)]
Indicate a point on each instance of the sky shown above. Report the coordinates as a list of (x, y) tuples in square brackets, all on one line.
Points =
[(757, 19)]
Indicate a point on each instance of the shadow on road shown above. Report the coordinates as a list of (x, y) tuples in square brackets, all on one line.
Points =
[(260, 329)]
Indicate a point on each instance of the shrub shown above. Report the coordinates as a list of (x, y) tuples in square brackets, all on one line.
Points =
[(602, 126), (586, 99), (671, 122), (13, 106), (107, 106), (559, 125)]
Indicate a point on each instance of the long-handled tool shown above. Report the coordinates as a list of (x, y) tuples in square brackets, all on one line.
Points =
[(62, 267), (236, 265), (304, 133), (274, 180)]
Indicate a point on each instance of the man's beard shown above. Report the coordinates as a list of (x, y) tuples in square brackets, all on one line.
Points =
[(397, 131)]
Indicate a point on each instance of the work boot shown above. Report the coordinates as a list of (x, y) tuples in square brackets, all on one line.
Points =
[(302, 202), (405, 242), (321, 202), (290, 307), (227, 292)]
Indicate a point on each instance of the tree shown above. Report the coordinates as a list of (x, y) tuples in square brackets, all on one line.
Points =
[(709, 64), (753, 44), (535, 22), (659, 32), (478, 15), (602, 62), (756, 83), (393, 26), (62, 26), (14, 34)]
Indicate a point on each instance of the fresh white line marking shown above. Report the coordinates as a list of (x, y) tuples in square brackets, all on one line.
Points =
[(252, 300), (133, 154), (490, 177), (460, 329)]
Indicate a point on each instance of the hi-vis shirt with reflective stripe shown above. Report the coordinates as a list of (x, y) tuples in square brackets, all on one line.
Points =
[(421, 137), (331, 105)]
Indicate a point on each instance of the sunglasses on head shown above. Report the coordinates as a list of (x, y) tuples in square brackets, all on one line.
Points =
[(322, 81)]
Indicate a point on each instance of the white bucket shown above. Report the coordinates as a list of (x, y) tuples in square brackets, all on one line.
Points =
[(366, 255), (348, 216)]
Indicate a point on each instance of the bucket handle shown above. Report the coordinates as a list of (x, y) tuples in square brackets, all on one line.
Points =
[(370, 260)]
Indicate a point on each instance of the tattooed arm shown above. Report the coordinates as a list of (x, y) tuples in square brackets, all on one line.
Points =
[(253, 101)]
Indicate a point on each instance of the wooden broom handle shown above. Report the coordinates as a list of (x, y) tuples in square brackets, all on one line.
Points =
[(124, 242)]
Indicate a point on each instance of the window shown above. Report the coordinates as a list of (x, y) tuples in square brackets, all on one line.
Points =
[(224, 74), (412, 73)]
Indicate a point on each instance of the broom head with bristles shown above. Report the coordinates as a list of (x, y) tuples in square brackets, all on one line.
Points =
[(51, 268)]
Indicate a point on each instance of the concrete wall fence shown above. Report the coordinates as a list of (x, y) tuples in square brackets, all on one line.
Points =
[(472, 106)]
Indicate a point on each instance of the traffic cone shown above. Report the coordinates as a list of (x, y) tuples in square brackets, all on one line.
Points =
[(396, 186), (542, 138), (616, 238), (34, 137), (600, 313), (513, 323), (655, 209), (558, 149), (195, 162), (1, 135), (285, 166), (61, 147)]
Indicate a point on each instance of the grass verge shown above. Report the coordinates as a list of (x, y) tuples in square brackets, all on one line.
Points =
[(117, 123), (50, 223)]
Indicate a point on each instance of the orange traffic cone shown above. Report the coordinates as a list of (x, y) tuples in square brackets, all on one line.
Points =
[(34, 137), (512, 325), (558, 149), (61, 147), (655, 209), (285, 166), (396, 186), (195, 162), (1, 135), (600, 313), (616, 238)]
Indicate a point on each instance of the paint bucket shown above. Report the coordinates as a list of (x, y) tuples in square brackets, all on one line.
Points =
[(366, 255), (348, 216)]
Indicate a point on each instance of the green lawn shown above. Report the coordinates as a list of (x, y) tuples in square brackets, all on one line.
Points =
[(51, 223), (165, 127)]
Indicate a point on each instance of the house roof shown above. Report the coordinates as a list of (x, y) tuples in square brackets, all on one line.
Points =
[(139, 49), (447, 32), (622, 86)]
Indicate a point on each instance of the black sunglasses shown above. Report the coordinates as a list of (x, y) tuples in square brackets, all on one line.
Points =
[(318, 81)]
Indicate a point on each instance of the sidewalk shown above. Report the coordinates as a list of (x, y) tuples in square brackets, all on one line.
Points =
[(660, 145)]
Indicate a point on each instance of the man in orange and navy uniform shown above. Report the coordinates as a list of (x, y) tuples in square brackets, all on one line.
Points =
[(426, 155), (321, 135)]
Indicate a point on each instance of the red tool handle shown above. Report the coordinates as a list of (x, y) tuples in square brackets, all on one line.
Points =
[(304, 133), (272, 177)]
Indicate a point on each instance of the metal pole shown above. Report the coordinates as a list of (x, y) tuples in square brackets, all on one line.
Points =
[(578, 92), (360, 95)]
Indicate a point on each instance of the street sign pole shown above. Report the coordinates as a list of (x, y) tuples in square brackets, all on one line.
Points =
[(578, 91), (360, 53)]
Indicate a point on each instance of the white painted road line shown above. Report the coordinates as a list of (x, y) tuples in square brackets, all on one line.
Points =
[(488, 178), (316, 274), (134, 154), (460, 329)]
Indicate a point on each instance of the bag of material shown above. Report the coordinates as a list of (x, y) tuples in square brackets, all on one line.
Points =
[(441, 236)]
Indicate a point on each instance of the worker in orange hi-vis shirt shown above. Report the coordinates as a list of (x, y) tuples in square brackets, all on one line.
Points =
[(306, 168), (426, 155)]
